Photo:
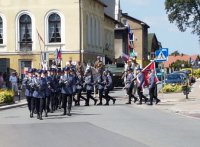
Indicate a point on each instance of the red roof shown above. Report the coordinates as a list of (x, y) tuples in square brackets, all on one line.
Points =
[(172, 59)]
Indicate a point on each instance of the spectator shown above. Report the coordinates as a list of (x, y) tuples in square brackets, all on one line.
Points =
[(1, 80), (13, 80)]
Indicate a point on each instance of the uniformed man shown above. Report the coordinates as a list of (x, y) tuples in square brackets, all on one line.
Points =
[(48, 90), (152, 86), (27, 81), (66, 81), (100, 85), (98, 65), (39, 93), (108, 87), (79, 89), (58, 87), (89, 83), (140, 83), (129, 83)]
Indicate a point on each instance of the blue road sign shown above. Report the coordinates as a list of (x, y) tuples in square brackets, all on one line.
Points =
[(161, 55)]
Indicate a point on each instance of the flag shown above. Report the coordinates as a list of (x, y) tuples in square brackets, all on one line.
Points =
[(150, 66), (59, 55), (40, 37), (125, 57)]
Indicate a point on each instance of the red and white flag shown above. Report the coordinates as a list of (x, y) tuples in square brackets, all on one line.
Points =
[(150, 66)]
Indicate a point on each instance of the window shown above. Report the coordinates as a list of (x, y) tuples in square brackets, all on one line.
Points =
[(54, 28), (25, 33), (1, 31)]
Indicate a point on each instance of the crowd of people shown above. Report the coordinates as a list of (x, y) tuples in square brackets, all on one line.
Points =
[(49, 90)]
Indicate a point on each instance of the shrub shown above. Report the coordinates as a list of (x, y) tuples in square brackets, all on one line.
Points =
[(196, 73), (6, 96), (172, 88)]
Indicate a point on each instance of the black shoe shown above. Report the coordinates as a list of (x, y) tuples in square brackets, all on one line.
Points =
[(106, 104), (69, 114), (95, 101), (38, 116), (114, 101), (128, 103), (86, 105), (31, 115), (64, 113), (157, 101), (146, 100), (135, 100), (41, 118), (150, 104), (139, 103), (99, 104), (46, 115)]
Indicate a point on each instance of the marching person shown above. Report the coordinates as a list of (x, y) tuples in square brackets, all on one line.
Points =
[(101, 85), (129, 85), (66, 81), (48, 90), (89, 83), (27, 83), (108, 87), (79, 89), (152, 86), (39, 93), (140, 82), (58, 87)]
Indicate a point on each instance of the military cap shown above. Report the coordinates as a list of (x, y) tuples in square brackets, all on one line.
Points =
[(39, 71), (67, 68)]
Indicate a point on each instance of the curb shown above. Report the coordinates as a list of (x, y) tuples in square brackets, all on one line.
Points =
[(5, 107)]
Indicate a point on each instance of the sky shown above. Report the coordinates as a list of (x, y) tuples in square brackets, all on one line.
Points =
[(154, 14)]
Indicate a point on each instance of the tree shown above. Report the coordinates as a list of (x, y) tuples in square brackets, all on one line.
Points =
[(185, 13), (175, 53)]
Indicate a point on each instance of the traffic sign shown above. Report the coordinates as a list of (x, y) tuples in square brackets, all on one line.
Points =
[(161, 55)]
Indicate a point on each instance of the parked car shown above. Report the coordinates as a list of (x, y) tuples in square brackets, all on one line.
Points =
[(116, 73), (175, 78)]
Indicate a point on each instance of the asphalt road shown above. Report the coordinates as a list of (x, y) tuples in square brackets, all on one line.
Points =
[(116, 125)]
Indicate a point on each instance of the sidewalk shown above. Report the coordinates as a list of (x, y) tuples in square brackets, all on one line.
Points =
[(17, 103), (177, 102)]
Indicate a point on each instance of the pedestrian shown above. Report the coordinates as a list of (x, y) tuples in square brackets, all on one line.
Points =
[(66, 82), (1, 80), (27, 83), (13, 81), (152, 86), (108, 87), (100, 86), (140, 83), (89, 84), (39, 93), (129, 85)]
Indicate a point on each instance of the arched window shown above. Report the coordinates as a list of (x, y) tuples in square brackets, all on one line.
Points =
[(54, 28), (1, 30), (25, 33)]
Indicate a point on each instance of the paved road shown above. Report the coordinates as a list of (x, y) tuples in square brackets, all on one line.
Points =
[(116, 125)]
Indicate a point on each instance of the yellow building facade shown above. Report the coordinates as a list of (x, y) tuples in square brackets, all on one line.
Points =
[(28, 28)]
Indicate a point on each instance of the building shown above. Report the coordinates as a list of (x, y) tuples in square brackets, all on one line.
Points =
[(29, 29), (153, 45), (137, 44)]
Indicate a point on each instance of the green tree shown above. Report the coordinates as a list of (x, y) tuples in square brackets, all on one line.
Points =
[(185, 13), (175, 53)]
